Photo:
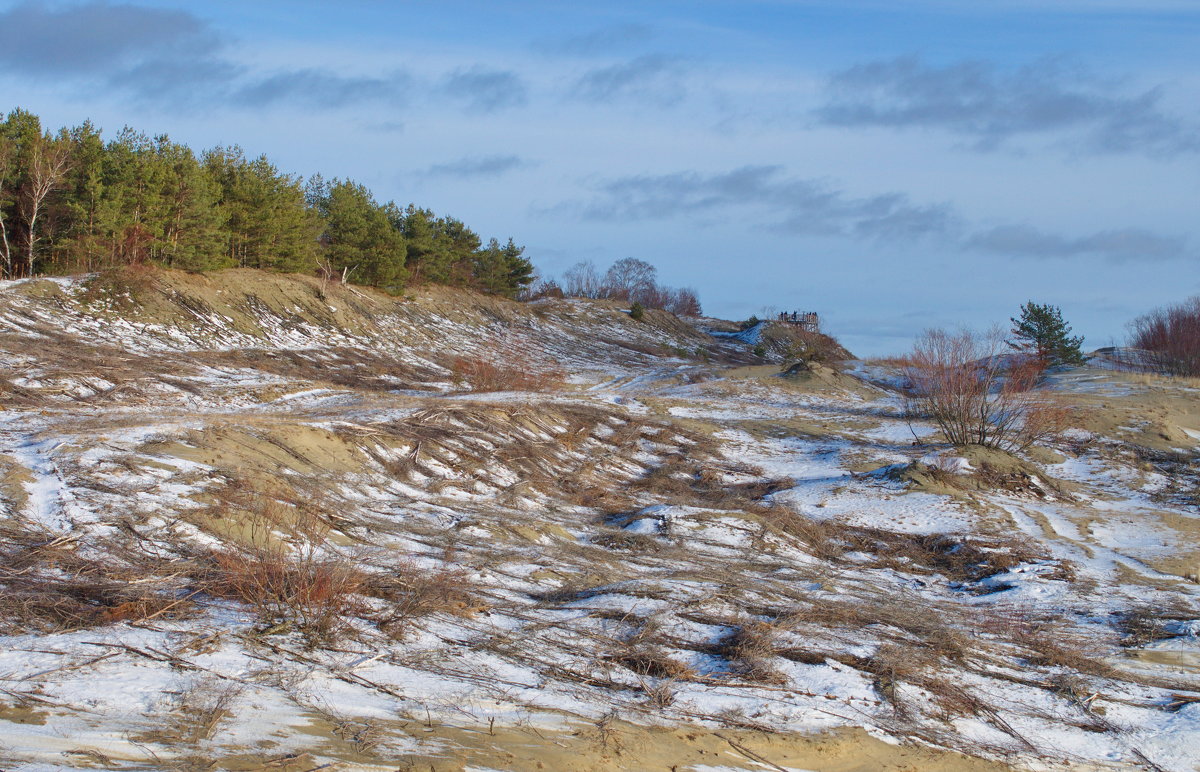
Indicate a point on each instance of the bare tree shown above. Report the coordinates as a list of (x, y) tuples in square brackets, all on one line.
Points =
[(686, 303), (48, 162), (630, 279), (582, 281)]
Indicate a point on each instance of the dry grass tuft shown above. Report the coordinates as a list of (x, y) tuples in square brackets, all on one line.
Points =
[(412, 593), (750, 649), (652, 662)]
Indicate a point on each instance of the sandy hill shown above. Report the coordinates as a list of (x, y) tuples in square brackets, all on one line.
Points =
[(251, 521)]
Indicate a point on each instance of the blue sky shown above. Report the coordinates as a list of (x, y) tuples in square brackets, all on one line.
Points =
[(893, 165)]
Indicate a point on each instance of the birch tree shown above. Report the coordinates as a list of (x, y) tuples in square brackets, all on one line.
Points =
[(7, 184), (47, 165)]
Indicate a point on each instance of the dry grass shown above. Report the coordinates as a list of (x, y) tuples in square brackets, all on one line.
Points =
[(121, 288), (46, 585), (1146, 624), (652, 662), (618, 539), (412, 593), (960, 559), (282, 563), (750, 649), (899, 362), (50, 603), (482, 375), (351, 368), (796, 343)]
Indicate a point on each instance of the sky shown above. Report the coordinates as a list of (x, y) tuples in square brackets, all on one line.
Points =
[(894, 165)]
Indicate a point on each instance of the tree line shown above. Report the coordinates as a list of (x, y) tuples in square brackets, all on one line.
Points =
[(629, 280), (72, 202)]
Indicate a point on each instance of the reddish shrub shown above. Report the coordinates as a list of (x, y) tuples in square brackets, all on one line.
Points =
[(1171, 338), (977, 395), (506, 366), (314, 593)]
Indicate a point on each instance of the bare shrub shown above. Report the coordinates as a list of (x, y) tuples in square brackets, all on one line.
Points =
[(659, 695), (685, 302), (1045, 418), (282, 565), (314, 593), (976, 395), (1171, 338), (545, 288), (201, 709), (506, 366)]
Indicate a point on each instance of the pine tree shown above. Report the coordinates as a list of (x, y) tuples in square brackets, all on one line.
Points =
[(1041, 331), (360, 238), (71, 201)]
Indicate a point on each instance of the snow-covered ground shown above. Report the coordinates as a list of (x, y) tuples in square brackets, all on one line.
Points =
[(656, 540)]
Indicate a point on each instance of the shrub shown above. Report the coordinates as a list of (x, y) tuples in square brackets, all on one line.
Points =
[(637, 311), (504, 373), (547, 288), (813, 346), (1170, 337), (312, 592), (978, 396)]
